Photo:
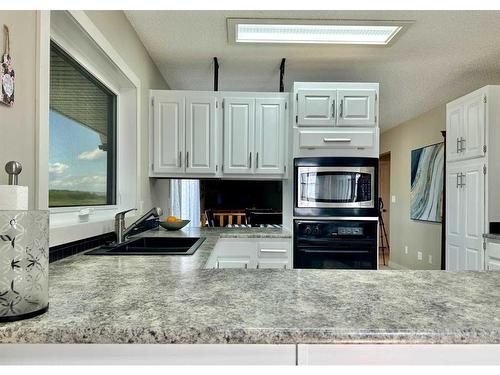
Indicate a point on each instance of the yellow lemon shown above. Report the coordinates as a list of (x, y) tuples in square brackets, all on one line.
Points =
[(171, 219)]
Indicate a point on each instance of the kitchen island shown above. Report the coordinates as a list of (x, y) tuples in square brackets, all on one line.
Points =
[(172, 300)]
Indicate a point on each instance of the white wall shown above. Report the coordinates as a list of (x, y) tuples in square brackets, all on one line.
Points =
[(17, 123)]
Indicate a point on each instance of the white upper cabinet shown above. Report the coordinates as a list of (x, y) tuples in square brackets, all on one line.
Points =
[(474, 127), (356, 107), (201, 134), (269, 136), (455, 125), (465, 127), (168, 133), (316, 107), (239, 124)]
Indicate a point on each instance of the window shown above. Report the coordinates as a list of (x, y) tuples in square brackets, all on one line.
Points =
[(185, 200), (82, 136)]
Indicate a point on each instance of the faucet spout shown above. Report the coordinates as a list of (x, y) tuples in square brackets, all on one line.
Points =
[(122, 232)]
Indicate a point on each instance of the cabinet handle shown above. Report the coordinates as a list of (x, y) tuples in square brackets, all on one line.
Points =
[(180, 159), (257, 160), (341, 114), (187, 159), (458, 177), (273, 250), (345, 140), (333, 109), (462, 178), (458, 145), (250, 161)]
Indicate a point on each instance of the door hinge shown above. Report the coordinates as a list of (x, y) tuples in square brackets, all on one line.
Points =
[(484, 149), (485, 100), (296, 119), (297, 97), (222, 167), (216, 167), (153, 101), (484, 245)]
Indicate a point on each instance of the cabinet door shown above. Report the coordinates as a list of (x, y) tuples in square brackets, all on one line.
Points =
[(168, 139), (269, 136), (473, 215), (201, 134), (474, 127), (232, 262), (356, 108), (454, 221), (239, 122), (454, 130), (281, 264), (316, 107)]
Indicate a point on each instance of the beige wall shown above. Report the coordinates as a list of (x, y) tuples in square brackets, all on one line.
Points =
[(17, 123), (119, 32), (418, 236)]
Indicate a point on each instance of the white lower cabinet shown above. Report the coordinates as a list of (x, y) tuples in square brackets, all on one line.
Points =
[(251, 254), (397, 354), (493, 255)]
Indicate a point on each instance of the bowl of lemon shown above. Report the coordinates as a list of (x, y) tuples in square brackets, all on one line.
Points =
[(173, 223)]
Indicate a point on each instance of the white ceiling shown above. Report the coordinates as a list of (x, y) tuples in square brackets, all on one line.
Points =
[(443, 55)]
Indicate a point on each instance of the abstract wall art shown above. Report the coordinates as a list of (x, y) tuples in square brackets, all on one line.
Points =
[(426, 193)]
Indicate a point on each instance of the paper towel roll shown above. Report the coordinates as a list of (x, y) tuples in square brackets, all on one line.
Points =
[(13, 197)]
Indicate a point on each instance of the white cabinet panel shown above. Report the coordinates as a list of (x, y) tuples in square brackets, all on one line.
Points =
[(356, 108), (239, 116), (337, 138), (474, 127), (454, 222), (473, 215), (281, 264), (493, 255), (168, 134), (201, 133), (316, 107), (454, 130), (493, 264), (269, 136), (223, 262)]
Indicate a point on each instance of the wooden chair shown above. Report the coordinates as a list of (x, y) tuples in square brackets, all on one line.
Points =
[(257, 217), (210, 218)]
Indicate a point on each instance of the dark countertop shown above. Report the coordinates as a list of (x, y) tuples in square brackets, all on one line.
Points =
[(169, 299)]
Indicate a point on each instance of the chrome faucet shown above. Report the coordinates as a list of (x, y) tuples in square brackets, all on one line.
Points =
[(120, 230)]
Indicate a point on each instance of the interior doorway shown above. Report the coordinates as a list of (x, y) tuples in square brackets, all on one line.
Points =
[(384, 189)]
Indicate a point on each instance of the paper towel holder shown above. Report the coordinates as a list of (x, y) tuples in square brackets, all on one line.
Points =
[(13, 169)]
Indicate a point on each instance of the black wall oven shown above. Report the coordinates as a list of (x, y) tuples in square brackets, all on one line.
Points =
[(336, 186), (339, 244)]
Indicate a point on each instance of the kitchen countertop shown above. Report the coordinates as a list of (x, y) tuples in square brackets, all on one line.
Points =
[(169, 299)]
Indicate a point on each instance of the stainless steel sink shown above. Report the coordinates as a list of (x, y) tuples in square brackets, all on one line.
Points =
[(152, 246)]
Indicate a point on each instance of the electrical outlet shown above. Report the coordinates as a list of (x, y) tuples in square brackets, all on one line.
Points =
[(393, 199), (430, 259), (419, 255), (406, 249)]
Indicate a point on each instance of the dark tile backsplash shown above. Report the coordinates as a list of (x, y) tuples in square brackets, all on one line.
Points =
[(495, 227), (65, 250)]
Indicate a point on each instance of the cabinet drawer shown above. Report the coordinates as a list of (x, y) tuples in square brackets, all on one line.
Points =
[(232, 262), (337, 138)]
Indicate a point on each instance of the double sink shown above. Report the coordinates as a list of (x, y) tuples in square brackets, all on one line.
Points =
[(152, 246)]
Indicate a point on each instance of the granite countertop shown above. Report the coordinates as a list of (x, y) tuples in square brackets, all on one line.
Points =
[(169, 299)]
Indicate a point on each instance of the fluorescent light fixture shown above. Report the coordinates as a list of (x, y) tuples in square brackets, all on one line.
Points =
[(315, 32)]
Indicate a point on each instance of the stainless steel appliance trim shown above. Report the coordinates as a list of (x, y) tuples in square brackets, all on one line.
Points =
[(304, 204), (336, 218)]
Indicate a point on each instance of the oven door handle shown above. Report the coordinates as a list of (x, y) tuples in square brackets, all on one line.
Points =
[(327, 251)]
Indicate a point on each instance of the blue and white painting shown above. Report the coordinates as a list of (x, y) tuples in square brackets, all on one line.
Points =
[(426, 194)]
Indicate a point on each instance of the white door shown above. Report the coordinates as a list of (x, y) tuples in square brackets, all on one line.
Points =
[(316, 107), (201, 134), (239, 116), (454, 131), (454, 219), (474, 127), (356, 108), (168, 123), (269, 136), (473, 215)]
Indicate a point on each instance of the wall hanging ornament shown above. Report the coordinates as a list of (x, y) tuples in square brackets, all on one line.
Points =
[(6, 72)]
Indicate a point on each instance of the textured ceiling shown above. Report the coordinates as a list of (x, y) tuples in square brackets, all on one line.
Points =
[(443, 55)]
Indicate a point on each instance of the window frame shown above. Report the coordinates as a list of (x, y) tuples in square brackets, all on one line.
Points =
[(111, 153)]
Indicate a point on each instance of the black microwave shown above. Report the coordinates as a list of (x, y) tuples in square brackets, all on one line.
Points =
[(335, 186)]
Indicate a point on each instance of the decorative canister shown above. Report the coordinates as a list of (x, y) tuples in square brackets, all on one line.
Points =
[(24, 264)]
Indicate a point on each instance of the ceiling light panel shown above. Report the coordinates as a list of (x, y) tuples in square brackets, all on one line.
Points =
[(323, 32)]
